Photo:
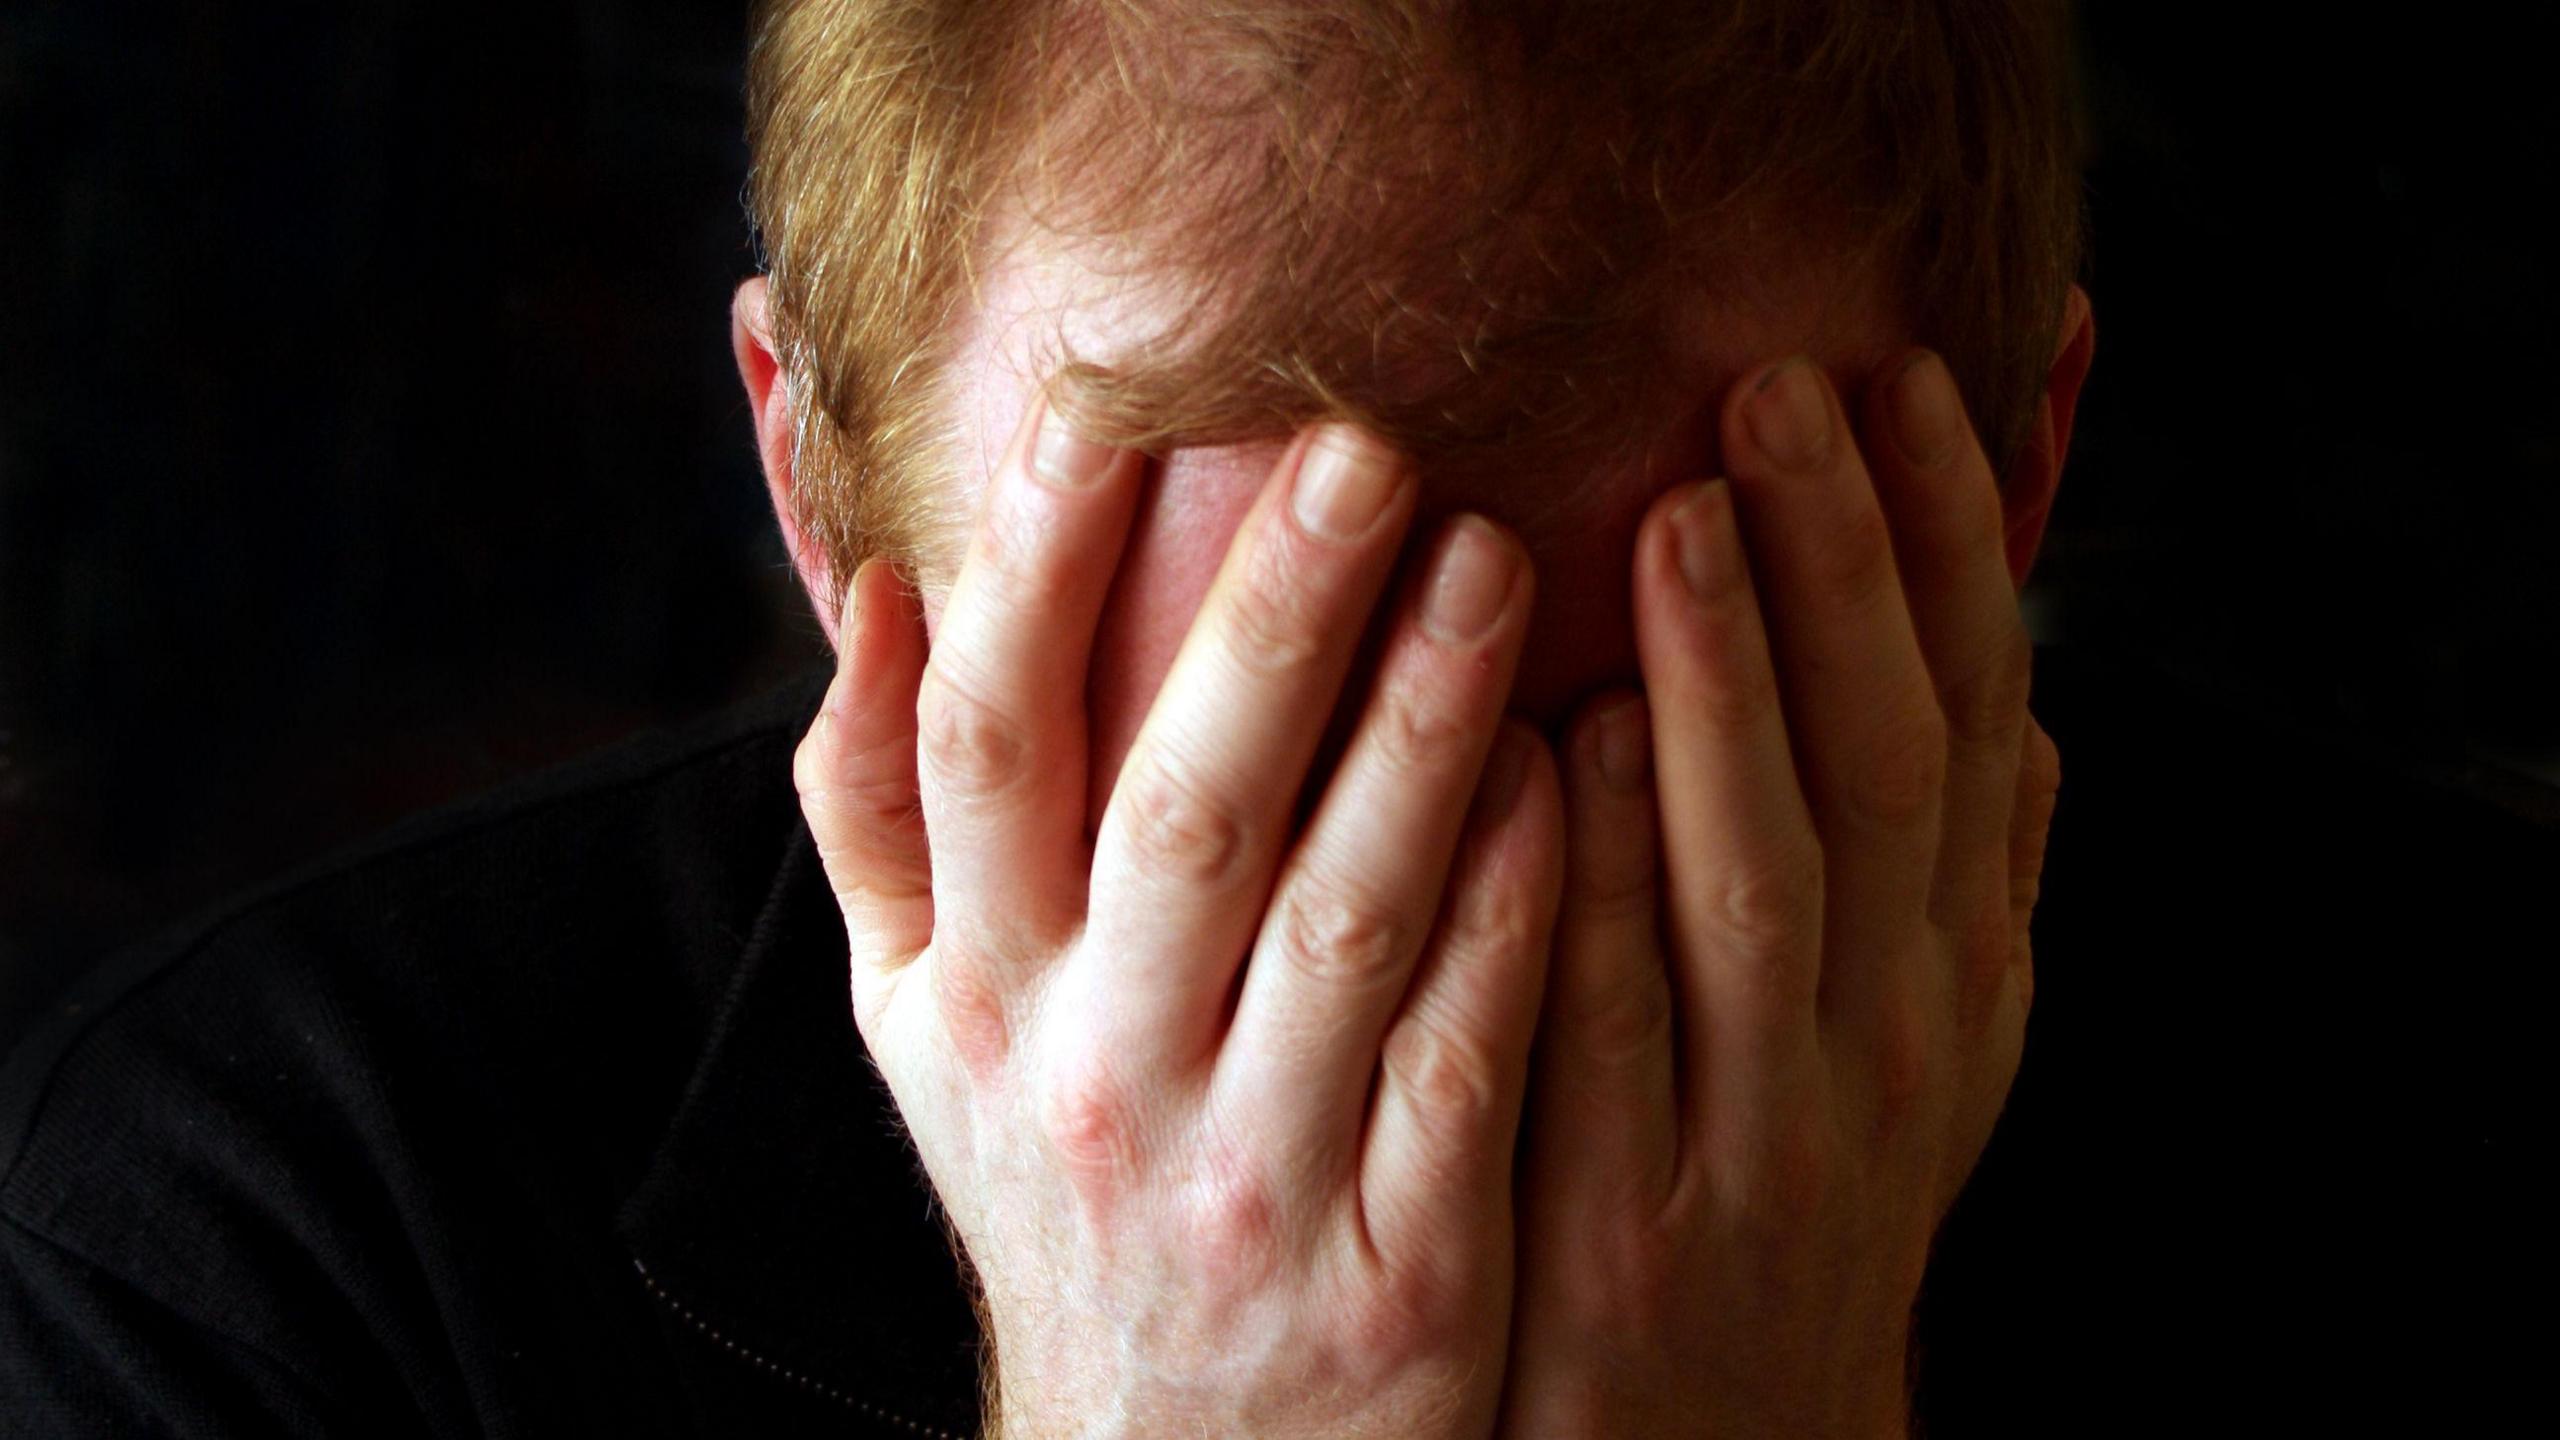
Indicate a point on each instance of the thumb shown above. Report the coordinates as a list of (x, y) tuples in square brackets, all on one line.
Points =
[(856, 774)]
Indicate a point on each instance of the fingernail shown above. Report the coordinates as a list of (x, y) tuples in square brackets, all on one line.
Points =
[(1499, 789), (1470, 583), (1345, 479), (1695, 525), (1062, 458), (1789, 418), (1625, 756), (1928, 415)]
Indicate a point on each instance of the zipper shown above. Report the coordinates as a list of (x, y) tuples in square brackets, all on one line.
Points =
[(783, 1372)]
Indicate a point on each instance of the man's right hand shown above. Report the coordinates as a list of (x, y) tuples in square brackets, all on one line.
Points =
[(1223, 1115)]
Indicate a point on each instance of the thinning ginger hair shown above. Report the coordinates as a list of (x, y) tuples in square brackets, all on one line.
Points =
[(1468, 224)]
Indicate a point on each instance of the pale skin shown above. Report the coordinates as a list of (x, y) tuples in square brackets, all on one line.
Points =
[(1227, 1110)]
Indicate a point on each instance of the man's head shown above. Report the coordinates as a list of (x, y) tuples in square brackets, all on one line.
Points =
[(1530, 243)]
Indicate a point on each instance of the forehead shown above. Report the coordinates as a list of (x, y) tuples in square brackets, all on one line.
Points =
[(1040, 298)]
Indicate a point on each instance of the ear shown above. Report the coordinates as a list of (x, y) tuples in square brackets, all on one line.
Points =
[(769, 403), (2037, 473)]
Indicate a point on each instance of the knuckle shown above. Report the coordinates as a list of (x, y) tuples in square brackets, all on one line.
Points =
[(870, 800), (1902, 1066), (1773, 1193), (1853, 569), (973, 1016), (1268, 629), (2026, 890), (1338, 942), (1742, 699), (2031, 822), (1617, 1024), (1025, 571), (1636, 1282), (1613, 898), (812, 768), (1794, 1181), (1235, 1225), (1902, 771), (1774, 904), (868, 829), (1738, 688), (1412, 731), (1985, 706), (971, 746), (1091, 1126), (1493, 914), (1177, 832), (1453, 1082), (2042, 761), (1408, 1310)]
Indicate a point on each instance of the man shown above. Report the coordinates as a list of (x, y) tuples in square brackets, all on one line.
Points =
[(1223, 224), (1204, 911)]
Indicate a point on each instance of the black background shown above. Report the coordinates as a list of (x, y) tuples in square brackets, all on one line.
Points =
[(368, 435)]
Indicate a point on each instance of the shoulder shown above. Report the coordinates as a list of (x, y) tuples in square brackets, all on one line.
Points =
[(531, 964)]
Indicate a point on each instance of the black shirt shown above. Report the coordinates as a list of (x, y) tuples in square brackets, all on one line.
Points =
[(546, 1115)]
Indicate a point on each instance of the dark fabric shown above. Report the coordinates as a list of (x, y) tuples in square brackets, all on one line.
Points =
[(547, 1116), (2264, 1169)]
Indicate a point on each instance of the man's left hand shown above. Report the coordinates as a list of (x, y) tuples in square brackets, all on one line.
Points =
[(1791, 977)]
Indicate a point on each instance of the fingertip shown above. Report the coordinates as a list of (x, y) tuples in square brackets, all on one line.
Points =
[(1608, 755), (871, 697), (842, 691), (1540, 809), (1919, 408), (1609, 794), (879, 622), (1928, 466), (1518, 818), (1661, 519), (1506, 770), (1783, 419), (1690, 559), (1620, 746), (861, 602)]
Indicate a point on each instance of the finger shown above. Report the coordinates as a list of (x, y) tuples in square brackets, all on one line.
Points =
[(1193, 833), (1001, 716), (1990, 1059), (1602, 1115), (2030, 828), (1990, 1071), (1741, 859), (1357, 896), (856, 773), (1435, 1165), (1869, 738), (1943, 504)]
